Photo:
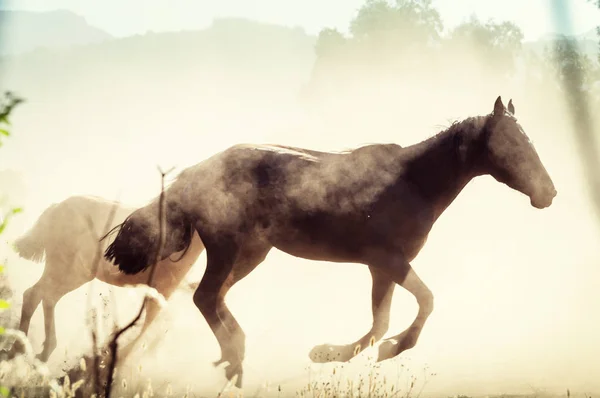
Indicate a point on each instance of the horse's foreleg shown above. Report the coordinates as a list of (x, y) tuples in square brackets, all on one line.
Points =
[(381, 297), (404, 275)]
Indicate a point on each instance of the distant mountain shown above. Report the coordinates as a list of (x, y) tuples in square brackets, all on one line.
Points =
[(23, 31), (228, 45), (164, 78)]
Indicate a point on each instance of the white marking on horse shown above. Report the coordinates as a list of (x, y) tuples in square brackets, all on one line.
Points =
[(277, 149)]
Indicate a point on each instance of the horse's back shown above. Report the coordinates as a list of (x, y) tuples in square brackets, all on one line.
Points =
[(249, 182), (86, 208), (248, 168), (77, 223)]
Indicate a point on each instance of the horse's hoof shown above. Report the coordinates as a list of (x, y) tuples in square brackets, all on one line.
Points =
[(9, 354), (41, 357), (387, 349), (330, 353), (233, 370), (16, 349)]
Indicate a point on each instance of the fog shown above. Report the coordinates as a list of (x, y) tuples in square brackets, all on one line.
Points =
[(516, 288)]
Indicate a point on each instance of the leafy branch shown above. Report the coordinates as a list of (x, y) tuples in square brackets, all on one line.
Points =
[(7, 106), (10, 101)]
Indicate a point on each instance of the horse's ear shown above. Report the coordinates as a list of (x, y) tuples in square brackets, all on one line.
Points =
[(511, 107), (498, 107)]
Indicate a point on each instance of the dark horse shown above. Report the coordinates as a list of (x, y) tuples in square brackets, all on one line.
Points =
[(374, 205)]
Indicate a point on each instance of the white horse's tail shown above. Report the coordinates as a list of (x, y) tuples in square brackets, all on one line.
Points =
[(30, 245)]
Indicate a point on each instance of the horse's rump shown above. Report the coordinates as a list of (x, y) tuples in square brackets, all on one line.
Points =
[(69, 229), (31, 245)]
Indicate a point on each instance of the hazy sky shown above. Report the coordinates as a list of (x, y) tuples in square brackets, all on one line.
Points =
[(126, 17)]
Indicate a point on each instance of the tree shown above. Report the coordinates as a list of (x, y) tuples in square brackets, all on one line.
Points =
[(329, 43), (571, 66), (404, 37), (497, 44), (411, 22), (384, 36)]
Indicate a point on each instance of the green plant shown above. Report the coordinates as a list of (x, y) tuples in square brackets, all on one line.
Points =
[(6, 108), (8, 104)]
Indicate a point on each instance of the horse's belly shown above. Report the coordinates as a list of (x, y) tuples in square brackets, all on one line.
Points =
[(318, 251), (315, 237), (322, 236), (348, 238)]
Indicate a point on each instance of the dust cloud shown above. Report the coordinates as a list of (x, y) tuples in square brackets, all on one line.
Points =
[(515, 287)]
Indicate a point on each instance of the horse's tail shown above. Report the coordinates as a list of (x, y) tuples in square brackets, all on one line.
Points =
[(30, 245), (134, 248)]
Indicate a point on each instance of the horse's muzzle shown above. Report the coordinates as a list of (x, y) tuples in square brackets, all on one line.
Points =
[(544, 200)]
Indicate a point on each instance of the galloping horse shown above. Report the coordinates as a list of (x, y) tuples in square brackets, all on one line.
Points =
[(70, 243), (375, 205)]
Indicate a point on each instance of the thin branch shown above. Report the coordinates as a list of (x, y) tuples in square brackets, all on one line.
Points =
[(96, 359), (91, 311), (113, 344)]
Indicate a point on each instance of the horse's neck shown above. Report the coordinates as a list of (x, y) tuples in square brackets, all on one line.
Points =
[(436, 168)]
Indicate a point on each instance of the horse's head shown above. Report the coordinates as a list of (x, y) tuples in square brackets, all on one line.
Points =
[(136, 245), (512, 159)]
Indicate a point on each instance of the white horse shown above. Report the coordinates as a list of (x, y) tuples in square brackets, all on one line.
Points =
[(67, 235)]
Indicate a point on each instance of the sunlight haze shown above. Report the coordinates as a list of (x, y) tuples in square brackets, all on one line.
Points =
[(516, 288)]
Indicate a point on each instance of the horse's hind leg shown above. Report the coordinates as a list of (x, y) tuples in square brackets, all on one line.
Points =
[(381, 297), (31, 299), (249, 258), (167, 279), (152, 310), (56, 283), (227, 264)]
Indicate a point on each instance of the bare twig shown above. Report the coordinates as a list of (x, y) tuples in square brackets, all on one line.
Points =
[(96, 362), (91, 311), (113, 344)]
